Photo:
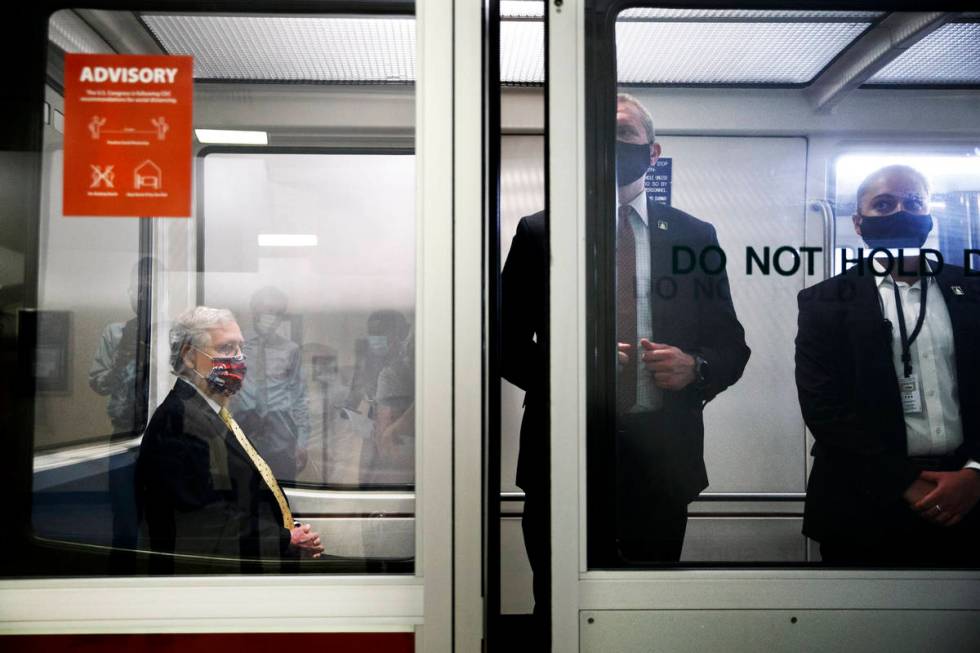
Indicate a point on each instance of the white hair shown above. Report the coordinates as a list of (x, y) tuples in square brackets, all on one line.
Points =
[(192, 329)]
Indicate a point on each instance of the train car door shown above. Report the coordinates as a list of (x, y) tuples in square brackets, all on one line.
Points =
[(705, 144), (329, 147)]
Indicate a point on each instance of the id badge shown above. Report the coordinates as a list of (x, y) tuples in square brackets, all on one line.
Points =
[(911, 399)]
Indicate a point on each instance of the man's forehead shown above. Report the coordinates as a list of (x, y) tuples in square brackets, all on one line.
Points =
[(896, 183), (225, 332)]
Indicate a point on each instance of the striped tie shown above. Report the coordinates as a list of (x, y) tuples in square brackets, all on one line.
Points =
[(261, 465), (626, 308)]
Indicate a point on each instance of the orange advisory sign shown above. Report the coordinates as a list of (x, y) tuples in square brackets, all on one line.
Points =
[(128, 121)]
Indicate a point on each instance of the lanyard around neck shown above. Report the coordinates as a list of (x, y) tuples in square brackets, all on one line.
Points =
[(902, 329)]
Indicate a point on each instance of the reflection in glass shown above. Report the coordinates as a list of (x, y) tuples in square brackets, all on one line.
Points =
[(338, 389), (272, 404), (394, 429), (315, 251), (119, 371)]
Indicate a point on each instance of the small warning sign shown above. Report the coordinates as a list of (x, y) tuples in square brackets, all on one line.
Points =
[(659, 179), (128, 121)]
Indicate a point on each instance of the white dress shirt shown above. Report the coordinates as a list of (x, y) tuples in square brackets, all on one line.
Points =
[(648, 395), (936, 429)]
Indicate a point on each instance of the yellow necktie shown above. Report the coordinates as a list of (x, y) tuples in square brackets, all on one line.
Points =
[(261, 465)]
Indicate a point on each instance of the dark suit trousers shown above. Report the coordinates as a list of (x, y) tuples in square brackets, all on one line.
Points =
[(905, 539), (651, 508), (536, 526)]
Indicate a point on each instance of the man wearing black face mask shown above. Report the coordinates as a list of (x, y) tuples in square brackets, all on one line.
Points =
[(885, 368), (677, 349), (204, 488), (679, 345)]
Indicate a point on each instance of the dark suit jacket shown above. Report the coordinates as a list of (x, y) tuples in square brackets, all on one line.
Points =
[(691, 311), (199, 491), (849, 396)]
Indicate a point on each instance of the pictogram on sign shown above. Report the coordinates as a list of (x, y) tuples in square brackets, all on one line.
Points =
[(128, 121)]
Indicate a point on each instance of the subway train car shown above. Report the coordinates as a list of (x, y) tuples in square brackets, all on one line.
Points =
[(324, 321)]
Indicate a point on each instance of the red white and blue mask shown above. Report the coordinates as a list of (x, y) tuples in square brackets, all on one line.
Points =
[(226, 375)]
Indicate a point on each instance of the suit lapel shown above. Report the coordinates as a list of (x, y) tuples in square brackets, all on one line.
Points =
[(866, 324), (216, 429), (958, 304), (872, 340), (964, 315)]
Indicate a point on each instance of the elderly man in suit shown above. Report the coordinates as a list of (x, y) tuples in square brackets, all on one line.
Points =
[(886, 360), (679, 345), (204, 488)]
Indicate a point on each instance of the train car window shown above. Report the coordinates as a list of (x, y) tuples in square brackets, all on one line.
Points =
[(954, 178), (324, 268), (234, 390), (750, 398)]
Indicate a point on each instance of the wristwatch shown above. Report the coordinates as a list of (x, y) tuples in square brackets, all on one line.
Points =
[(702, 373)]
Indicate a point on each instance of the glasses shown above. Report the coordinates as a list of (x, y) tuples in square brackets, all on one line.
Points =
[(229, 350)]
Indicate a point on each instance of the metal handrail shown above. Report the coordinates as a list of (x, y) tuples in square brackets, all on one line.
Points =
[(706, 496), (826, 210)]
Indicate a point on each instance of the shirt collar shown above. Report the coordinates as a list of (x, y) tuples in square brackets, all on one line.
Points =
[(639, 204), (215, 406), (883, 277)]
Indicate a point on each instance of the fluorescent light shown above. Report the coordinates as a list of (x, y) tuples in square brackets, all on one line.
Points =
[(287, 240), (232, 137), (937, 205)]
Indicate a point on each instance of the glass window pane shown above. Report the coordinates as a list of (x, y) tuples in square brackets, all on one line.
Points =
[(321, 270), (205, 384), (749, 397)]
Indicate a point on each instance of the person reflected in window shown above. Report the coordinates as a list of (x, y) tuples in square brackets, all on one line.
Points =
[(119, 361), (886, 354), (272, 405), (386, 330), (204, 488), (394, 428), (679, 344), (119, 372)]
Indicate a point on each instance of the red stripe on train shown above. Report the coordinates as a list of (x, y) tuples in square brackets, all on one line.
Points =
[(212, 643)]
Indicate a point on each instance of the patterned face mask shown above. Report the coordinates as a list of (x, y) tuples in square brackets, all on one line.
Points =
[(226, 375)]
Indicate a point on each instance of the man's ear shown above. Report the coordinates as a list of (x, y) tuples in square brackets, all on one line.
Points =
[(187, 356), (856, 219), (654, 152)]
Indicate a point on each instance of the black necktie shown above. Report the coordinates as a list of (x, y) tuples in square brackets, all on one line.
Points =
[(626, 307)]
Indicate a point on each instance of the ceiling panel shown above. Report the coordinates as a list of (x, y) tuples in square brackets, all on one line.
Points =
[(729, 52), (646, 13), (948, 56), (280, 48)]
